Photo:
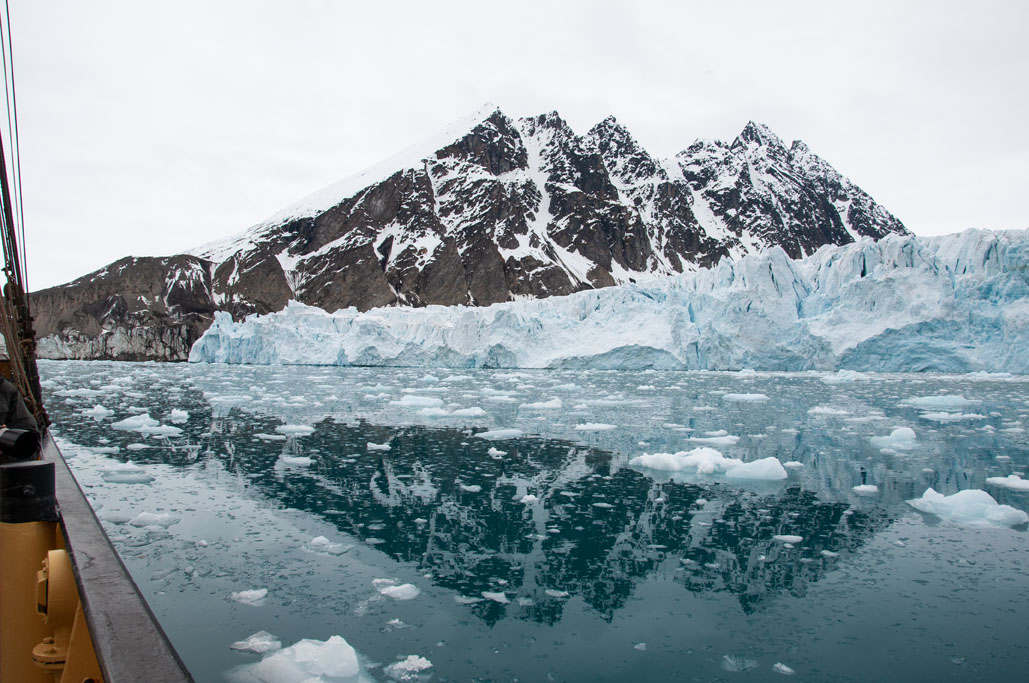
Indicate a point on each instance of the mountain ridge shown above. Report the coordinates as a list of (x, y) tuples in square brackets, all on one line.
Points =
[(498, 209)]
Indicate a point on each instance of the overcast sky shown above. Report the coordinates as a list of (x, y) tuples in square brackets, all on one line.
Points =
[(148, 128)]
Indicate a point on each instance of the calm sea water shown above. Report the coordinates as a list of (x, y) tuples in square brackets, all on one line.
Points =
[(280, 480)]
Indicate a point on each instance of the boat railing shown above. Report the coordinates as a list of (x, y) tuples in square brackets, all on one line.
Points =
[(60, 574)]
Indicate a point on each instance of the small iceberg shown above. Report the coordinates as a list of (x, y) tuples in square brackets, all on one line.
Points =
[(973, 507)]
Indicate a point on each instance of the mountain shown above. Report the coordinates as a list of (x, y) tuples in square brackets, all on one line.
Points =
[(492, 209), (958, 303)]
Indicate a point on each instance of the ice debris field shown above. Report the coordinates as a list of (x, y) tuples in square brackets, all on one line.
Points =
[(343, 524), (958, 303)]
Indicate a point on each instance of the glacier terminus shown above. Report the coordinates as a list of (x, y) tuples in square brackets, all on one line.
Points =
[(904, 303)]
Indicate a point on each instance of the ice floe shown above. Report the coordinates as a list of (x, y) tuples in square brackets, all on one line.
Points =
[(971, 506)]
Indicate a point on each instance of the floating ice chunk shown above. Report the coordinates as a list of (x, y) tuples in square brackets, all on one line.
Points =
[(161, 519), (378, 446), (1012, 481), (703, 460), (793, 465), (603, 505), (474, 411), (788, 538), (528, 498), (765, 469), (471, 488), (496, 597), (942, 402), (827, 410), (298, 460), (738, 663), (97, 412), (552, 404), (251, 597), (398, 591), (415, 401), (323, 546), (308, 660), (465, 600), (865, 489), (744, 398), (139, 477), (900, 439), (178, 417), (499, 434), (136, 446), (295, 430), (594, 427), (434, 412), (270, 437), (429, 379), (951, 417), (408, 669), (723, 440), (159, 430), (845, 377), (829, 554), (259, 643), (135, 423), (560, 595), (495, 452), (781, 668), (642, 647), (973, 507)]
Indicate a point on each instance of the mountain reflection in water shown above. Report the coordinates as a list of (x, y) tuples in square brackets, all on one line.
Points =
[(600, 557)]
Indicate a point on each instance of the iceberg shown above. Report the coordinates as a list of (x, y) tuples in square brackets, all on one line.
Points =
[(956, 304)]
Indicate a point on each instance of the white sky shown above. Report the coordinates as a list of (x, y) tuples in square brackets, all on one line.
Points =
[(148, 128)]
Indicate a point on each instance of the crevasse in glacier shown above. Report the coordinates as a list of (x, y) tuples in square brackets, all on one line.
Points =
[(957, 303)]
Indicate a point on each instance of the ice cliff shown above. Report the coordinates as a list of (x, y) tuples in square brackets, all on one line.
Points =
[(958, 303)]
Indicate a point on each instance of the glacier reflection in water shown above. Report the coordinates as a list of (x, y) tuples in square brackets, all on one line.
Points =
[(541, 554)]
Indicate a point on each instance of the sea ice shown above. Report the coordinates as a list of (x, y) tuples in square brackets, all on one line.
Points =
[(528, 498), (788, 538), (1012, 481), (765, 469), (398, 591), (135, 423), (496, 597), (408, 669), (744, 398), (594, 427), (973, 507), (307, 661), (161, 519), (495, 452), (414, 401), (499, 434), (298, 460), (178, 416), (900, 439), (250, 597), (474, 411), (827, 410), (781, 668), (865, 488), (552, 404), (259, 643), (378, 446), (702, 460), (295, 430), (97, 412), (471, 488), (944, 402)]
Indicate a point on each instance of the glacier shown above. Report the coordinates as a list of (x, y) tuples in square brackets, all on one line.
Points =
[(956, 303)]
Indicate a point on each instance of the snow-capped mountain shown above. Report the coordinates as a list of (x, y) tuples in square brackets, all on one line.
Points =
[(492, 209), (958, 303)]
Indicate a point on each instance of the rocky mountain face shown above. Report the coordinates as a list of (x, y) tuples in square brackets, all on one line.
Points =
[(492, 209)]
